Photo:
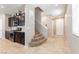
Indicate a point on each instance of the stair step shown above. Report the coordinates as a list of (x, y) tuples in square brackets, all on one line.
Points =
[(38, 38), (36, 32), (36, 35), (37, 43)]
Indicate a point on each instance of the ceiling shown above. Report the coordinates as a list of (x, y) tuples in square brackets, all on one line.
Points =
[(49, 9), (9, 8), (53, 9)]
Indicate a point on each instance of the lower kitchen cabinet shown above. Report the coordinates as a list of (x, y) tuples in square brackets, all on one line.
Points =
[(7, 34), (19, 37)]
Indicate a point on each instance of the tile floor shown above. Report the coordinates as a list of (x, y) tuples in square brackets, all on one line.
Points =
[(57, 45)]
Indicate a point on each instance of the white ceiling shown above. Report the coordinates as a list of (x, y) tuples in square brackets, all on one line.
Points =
[(53, 9), (49, 9), (9, 8)]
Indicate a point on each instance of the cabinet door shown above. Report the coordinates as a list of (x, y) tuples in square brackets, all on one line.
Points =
[(10, 21), (6, 34), (16, 37), (20, 37)]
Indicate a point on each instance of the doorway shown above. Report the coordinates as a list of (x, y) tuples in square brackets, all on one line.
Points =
[(56, 27)]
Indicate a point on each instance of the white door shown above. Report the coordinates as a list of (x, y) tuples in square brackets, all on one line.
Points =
[(60, 26)]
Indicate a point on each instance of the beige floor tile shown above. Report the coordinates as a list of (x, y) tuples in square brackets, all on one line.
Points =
[(56, 45)]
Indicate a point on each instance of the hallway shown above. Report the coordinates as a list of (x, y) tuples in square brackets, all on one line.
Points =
[(56, 45)]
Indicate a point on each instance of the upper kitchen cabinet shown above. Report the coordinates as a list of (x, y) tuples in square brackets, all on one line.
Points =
[(21, 18), (17, 20), (11, 21)]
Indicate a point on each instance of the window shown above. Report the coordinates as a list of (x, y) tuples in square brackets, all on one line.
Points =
[(75, 19)]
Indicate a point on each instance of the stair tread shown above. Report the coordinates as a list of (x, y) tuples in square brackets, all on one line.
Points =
[(37, 35), (40, 38), (37, 40), (37, 43), (36, 32)]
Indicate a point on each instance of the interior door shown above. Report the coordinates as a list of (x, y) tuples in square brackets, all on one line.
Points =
[(60, 26)]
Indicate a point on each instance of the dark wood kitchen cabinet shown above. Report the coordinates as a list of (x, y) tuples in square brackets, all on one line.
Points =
[(19, 37), (10, 21), (16, 20), (7, 34)]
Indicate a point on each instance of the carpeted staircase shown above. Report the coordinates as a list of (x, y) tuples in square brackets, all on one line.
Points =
[(37, 40)]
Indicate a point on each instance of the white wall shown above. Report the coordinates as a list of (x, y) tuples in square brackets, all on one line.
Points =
[(74, 42), (68, 25), (38, 15), (42, 29), (50, 27), (3, 25), (22, 8), (29, 23), (44, 20), (47, 22), (75, 20), (39, 24), (6, 23), (55, 27), (2, 17)]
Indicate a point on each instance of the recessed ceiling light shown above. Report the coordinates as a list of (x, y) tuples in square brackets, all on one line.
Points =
[(58, 11), (2, 6), (56, 5)]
